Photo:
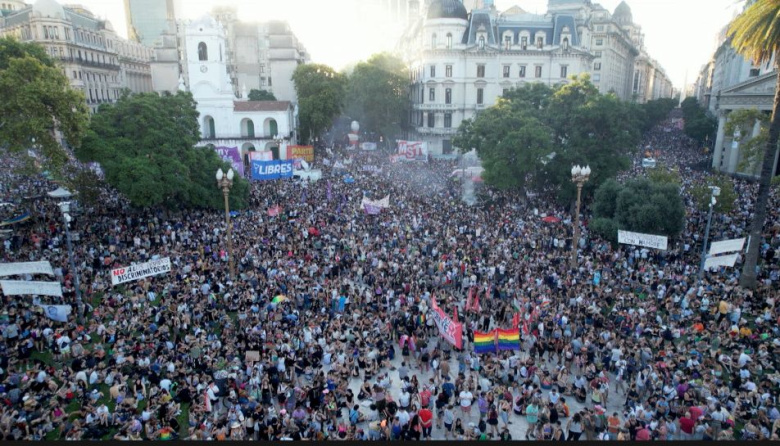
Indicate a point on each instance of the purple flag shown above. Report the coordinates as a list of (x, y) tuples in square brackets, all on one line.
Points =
[(371, 209)]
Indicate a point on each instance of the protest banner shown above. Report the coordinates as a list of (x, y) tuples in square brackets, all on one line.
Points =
[(724, 246), (644, 240), (413, 150), (57, 313), (139, 271), (272, 170), (25, 288), (233, 156), (264, 155), (451, 331), (368, 146), (301, 152), (718, 261), (20, 268)]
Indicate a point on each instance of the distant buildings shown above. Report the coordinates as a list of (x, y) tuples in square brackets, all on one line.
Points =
[(93, 57), (147, 20), (463, 61), (729, 82)]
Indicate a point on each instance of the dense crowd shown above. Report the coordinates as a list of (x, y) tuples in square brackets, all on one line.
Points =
[(325, 331)]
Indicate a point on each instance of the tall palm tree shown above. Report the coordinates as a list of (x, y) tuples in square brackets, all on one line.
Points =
[(756, 35)]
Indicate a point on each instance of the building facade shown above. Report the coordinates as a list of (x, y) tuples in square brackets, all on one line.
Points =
[(225, 119), (147, 20), (462, 62), (93, 57)]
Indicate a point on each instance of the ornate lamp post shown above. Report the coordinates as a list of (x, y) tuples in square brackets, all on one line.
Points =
[(225, 182), (579, 175), (66, 217)]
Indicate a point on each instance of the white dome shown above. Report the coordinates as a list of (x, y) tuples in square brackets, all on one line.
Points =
[(48, 8)]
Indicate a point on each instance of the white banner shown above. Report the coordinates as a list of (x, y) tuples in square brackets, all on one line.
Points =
[(24, 288), (722, 246), (57, 312), (140, 270), (717, 262), (20, 268), (383, 203), (413, 150), (368, 146), (645, 240)]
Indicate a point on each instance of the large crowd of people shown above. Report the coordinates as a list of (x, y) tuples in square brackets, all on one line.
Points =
[(324, 331)]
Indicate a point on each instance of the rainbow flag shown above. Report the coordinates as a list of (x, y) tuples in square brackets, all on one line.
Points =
[(279, 298), (485, 342), (508, 339)]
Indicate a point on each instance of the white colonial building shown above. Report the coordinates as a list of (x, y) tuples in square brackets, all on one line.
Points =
[(93, 57), (225, 119), (462, 61)]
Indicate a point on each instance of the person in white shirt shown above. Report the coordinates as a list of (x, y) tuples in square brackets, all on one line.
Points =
[(404, 399), (466, 398)]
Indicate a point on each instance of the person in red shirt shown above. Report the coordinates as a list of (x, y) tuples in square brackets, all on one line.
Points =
[(426, 421), (425, 397), (687, 426), (643, 434), (696, 413)]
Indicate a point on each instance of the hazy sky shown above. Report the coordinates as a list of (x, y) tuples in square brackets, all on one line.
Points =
[(680, 34)]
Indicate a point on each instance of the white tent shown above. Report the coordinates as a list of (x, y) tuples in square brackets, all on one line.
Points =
[(60, 193)]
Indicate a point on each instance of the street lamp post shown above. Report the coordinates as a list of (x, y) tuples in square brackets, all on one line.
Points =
[(715, 190), (579, 175), (225, 182), (66, 217)]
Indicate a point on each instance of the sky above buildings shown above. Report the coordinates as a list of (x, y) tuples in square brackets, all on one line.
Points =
[(680, 34)]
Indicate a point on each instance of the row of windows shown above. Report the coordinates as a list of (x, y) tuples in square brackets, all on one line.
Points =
[(448, 95), (94, 77), (430, 120), (434, 41), (507, 71), (247, 128)]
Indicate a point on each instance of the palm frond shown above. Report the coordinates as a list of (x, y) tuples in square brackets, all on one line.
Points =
[(756, 32)]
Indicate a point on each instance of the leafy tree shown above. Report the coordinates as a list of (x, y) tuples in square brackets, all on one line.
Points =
[(655, 111), (146, 146), (698, 125), (38, 102), (662, 174), (320, 92), (261, 95), (377, 95), (640, 206), (751, 148), (725, 201), (756, 35), (576, 125)]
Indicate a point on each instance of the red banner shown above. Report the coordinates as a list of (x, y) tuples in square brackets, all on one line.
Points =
[(301, 152), (450, 330)]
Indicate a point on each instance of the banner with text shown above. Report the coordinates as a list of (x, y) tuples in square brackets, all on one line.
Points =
[(372, 168), (20, 268), (413, 150), (233, 156), (717, 262), (451, 331), (272, 170), (139, 271), (722, 246), (368, 146), (301, 152), (645, 240), (381, 204), (24, 288)]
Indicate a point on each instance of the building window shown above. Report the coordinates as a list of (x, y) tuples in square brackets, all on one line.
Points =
[(270, 82), (250, 128), (564, 71), (597, 66), (262, 69), (448, 96), (522, 70), (539, 71), (506, 70), (433, 41), (46, 33), (422, 96), (524, 42), (600, 28), (448, 70), (448, 120), (482, 42), (565, 43), (540, 42), (480, 71), (597, 53), (507, 42), (446, 146), (599, 42), (449, 41), (480, 95), (431, 119), (755, 72), (431, 94), (203, 51), (433, 70)]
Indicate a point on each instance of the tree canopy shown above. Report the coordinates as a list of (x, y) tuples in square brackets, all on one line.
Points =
[(377, 95), (698, 125), (544, 131), (37, 102), (639, 206), (260, 95), (146, 146), (320, 92)]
